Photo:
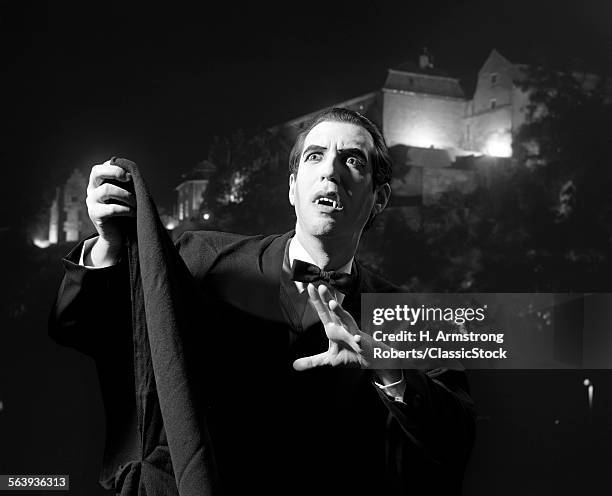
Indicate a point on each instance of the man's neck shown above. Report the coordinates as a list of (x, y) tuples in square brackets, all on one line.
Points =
[(329, 253)]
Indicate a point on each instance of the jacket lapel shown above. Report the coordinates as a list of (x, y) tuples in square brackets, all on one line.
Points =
[(352, 301)]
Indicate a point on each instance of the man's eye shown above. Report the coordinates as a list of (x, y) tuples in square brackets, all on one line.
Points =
[(314, 156), (355, 161)]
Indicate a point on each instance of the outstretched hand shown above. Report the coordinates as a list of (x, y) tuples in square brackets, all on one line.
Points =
[(342, 332)]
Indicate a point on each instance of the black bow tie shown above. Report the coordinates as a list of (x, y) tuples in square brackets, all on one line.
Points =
[(307, 272)]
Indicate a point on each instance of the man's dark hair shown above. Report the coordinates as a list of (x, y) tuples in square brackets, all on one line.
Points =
[(380, 159)]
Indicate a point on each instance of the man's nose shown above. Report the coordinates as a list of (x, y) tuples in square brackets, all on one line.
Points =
[(330, 167)]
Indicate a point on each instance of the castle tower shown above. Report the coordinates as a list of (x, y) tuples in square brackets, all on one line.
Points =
[(190, 192), (76, 220)]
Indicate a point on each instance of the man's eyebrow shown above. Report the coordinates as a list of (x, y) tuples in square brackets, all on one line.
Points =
[(354, 151), (313, 148)]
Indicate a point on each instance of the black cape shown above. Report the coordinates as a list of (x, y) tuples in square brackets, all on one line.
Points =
[(176, 453)]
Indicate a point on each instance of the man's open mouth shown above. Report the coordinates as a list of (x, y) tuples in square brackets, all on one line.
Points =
[(329, 200)]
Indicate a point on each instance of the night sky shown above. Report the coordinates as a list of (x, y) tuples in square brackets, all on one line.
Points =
[(154, 82)]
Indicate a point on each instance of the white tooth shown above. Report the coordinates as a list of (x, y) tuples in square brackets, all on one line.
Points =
[(334, 204)]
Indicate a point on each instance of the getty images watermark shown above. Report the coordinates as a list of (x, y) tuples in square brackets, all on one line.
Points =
[(492, 330)]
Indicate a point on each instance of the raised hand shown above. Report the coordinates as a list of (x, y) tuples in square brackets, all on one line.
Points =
[(342, 332), (106, 202)]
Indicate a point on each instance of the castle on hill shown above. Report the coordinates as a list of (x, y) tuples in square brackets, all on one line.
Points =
[(440, 139)]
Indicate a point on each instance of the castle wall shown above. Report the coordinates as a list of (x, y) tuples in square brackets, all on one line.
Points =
[(422, 120), (54, 216), (488, 127), (190, 197)]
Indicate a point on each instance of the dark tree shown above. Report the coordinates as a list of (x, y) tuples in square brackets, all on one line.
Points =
[(249, 191), (564, 145), (541, 221)]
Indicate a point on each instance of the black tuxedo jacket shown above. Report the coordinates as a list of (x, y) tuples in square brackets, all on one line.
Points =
[(274, 430)]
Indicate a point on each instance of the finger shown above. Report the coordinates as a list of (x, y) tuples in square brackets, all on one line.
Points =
[(310, 362), (102, 212), (320, 307), (343, 316), (108, 192), (106, 171), (327, 298)]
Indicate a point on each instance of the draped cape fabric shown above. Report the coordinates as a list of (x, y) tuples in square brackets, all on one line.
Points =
[(175, 449)]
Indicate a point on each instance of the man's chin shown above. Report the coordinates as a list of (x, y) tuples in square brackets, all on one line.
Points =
[(329, 226), (324, 228), (317, 225)]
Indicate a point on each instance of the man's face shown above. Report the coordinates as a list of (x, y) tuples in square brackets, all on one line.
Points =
[(332, 191)]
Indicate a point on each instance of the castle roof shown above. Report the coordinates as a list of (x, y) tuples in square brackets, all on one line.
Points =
[(411, 78), (202, 171), (414, 68)]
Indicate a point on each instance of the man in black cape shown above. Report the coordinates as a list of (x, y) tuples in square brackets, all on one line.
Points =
[(239, 365)]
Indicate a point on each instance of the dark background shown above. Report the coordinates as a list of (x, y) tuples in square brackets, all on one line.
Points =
[(84, 82)]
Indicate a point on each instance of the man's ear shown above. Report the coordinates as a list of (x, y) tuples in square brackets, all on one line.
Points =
[(292, 189), (383, 193)]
